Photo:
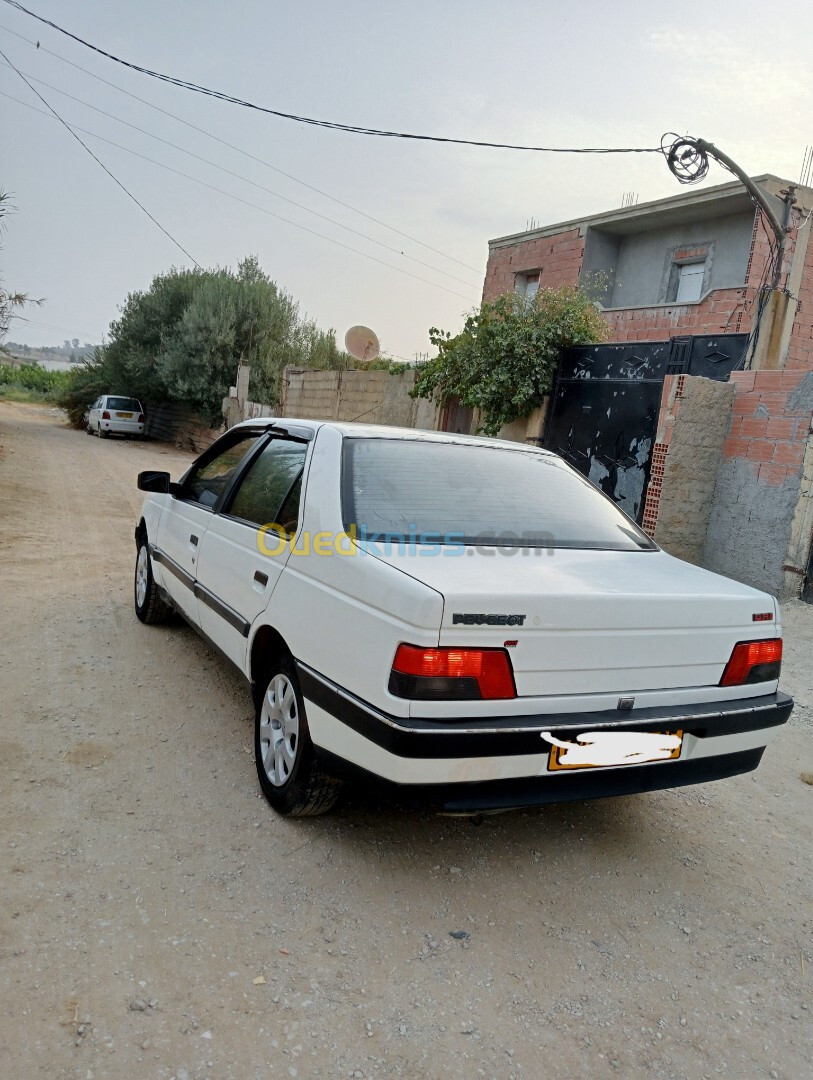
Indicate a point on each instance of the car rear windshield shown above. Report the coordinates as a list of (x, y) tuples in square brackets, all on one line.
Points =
[(430, 492), (128, 404)]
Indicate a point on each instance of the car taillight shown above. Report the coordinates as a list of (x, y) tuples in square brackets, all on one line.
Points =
[(105, 415), (753, 662), (141, 418), (451, 674)]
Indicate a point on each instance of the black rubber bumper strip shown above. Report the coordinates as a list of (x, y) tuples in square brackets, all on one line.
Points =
[(232, 617), (486, 795), (498, 736), (172, 567)]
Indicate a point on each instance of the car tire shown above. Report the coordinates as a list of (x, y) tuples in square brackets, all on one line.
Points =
[(88, 430), (289, 774), (149, 607), (103, 434)]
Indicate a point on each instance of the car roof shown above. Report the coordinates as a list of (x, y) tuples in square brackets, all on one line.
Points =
[(349, 430)]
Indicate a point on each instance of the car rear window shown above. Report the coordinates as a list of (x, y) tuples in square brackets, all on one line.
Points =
[(126, 404), (453, 493)]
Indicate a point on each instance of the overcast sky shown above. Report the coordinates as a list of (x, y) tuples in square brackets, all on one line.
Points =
[(576, 74)]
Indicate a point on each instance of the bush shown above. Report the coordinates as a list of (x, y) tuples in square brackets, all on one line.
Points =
[(182, 339), (504, 359), (85, 382), (30, 382)]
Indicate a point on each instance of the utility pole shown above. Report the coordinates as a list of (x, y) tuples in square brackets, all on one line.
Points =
[(688, 159)]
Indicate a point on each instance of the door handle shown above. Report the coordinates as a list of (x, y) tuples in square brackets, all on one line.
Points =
[(261, 578), (193, 540)]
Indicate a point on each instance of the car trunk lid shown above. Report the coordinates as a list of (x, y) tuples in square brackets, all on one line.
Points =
[(581, 622)]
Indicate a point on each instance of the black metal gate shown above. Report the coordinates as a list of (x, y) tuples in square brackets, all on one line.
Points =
[(603, 413)]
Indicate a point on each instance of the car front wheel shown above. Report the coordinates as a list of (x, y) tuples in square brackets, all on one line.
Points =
[(149, 607), (290, 776)]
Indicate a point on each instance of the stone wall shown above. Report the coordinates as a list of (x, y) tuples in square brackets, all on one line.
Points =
[(692, 429)]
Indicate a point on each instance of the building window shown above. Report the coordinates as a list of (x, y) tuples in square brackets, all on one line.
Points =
[(690, 282), (527, 284)]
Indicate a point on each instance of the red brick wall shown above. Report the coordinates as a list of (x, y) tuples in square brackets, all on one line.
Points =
[(558, 257), (765, 428), (723, 311)]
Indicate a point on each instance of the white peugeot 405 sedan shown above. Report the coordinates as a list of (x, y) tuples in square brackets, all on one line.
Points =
[(463, 622)]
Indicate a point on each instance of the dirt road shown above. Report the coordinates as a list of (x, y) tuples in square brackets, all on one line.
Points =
[(158, 920)]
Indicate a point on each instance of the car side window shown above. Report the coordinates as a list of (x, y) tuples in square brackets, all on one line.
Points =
[(207, 482), (268, 492)]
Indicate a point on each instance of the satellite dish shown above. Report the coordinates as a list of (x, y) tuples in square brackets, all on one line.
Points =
[(361, 342)]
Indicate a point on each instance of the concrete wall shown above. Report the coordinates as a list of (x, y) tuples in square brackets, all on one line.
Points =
[(370, 397), (644, 259), (693, 425), (758, 519)]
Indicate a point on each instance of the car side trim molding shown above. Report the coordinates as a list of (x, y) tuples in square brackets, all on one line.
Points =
[(232, 617), (508, 735), (170, 565)]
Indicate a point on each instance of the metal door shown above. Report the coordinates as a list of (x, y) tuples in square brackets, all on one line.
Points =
[(603, 413)]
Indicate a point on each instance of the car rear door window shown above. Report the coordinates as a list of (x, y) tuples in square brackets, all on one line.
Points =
[(268, 493)]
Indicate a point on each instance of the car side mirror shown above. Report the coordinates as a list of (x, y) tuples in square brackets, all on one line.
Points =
[(150, 480)]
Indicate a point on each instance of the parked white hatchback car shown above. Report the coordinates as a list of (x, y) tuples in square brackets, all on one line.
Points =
[(112, 414), (463, 622)]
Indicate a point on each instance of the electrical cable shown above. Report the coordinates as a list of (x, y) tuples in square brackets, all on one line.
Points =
[(245, 179), (356, 129), (245, 202), (115, 179), (239, 150)]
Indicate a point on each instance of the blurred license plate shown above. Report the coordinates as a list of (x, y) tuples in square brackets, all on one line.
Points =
[(600, 749), (124, 415)]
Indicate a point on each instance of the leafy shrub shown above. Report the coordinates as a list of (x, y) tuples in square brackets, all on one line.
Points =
[(31, 382), (503, 360)]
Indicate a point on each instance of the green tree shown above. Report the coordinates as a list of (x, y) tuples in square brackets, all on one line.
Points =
[(503, 360), (182, 339)]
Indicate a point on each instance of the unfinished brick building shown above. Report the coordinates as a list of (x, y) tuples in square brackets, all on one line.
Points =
[(728, 479)]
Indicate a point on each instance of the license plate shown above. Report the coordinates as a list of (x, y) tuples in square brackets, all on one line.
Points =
[(602, 749), (124, 415)]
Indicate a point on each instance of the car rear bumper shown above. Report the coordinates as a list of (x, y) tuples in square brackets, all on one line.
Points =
[(122, 427), (516, 793), (490, 763)]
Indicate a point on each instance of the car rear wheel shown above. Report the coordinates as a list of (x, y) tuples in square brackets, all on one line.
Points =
[(290, 776), (149, 607)]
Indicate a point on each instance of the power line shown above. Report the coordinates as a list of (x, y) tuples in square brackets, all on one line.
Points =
[(245, 202), (49, 326), (115, 179), (246, 180), (240, 150), (356, 129)]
